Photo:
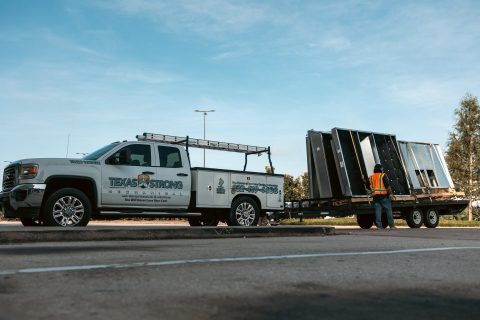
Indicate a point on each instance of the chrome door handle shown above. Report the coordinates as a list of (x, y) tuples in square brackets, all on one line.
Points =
[(182, 174)]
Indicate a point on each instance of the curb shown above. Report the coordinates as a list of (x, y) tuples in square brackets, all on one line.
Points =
[(46, 234)]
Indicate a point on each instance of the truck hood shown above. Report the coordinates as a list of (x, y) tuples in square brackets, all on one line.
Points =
[(55, 161), (48, 167)]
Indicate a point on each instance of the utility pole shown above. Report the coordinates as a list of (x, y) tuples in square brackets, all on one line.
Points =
[(204, 122)]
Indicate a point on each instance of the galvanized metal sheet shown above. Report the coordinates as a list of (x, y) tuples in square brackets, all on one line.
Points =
[(323, 177), (359, 151), (340, 161), (319, 175), (425, 165)]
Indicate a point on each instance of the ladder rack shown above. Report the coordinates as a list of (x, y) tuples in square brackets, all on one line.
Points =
[(207, 144)]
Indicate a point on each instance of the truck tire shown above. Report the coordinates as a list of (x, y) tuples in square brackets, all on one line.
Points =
[(244, 212), (431, 218), (415, 218), (365, 221), (67, 207), (203, 221)]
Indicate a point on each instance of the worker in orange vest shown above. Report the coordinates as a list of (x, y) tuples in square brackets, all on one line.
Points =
[(379, 184)]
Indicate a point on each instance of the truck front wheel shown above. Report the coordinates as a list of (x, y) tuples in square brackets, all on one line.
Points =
[(67, 207), (244, 212)]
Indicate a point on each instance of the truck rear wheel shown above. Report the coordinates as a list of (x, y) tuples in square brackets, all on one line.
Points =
[(244, 212), (67, 207), (431, 218), (415, 218), (365, 221)]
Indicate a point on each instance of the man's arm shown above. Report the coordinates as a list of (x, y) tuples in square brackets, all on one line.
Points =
[(366, 181), (386, 183)]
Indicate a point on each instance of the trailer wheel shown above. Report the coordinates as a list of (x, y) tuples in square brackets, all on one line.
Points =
[(203, 221), (415, 218), (67, 207), (431, 218), (365, 221), (244, 212)]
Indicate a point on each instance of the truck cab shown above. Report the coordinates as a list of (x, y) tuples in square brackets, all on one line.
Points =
[(145, 175)]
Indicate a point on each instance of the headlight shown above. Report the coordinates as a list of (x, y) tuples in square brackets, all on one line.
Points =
[(28, 171)]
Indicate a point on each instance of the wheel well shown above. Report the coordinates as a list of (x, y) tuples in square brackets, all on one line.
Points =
[(85, 185), (254, 198)]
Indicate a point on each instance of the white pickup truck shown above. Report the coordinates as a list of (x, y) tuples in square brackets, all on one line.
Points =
[(149, 176)]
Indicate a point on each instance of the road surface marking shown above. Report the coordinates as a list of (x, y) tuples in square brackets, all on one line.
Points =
[(216, 260)]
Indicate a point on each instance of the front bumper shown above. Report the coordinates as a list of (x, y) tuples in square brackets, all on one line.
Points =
[(23, 201)]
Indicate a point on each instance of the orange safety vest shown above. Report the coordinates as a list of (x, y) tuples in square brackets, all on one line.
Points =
[(376, 184)]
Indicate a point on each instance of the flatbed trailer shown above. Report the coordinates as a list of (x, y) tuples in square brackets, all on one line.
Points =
[(416, 211), (339, 161)]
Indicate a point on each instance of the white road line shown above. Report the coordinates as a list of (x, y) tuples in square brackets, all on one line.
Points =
[(217, 260)]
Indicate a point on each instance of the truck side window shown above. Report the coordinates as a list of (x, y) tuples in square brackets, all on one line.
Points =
[(169, 157), (132, 155)]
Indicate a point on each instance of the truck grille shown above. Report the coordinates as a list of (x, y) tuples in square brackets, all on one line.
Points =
[(9, 177)]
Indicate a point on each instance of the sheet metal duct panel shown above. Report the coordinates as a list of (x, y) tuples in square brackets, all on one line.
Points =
[(357, 153), (425, 165), (369, 156), (323, 176), (444, 166), (312, 170), (344, 155), (391, 160), (318, 170)]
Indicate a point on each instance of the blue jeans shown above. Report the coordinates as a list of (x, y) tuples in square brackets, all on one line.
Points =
[(385, 203)]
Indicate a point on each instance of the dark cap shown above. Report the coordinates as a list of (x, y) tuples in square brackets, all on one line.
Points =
[(378, 168)]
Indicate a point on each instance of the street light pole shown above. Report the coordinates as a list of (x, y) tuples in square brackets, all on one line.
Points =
[(204, 125)]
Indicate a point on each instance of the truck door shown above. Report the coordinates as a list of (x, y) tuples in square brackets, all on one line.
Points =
[(173, 184), (126, 177)]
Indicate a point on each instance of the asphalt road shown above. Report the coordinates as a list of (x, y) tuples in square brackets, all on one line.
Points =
[(357, 274)]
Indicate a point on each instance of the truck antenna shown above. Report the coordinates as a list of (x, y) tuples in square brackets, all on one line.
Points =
[(68, 145)]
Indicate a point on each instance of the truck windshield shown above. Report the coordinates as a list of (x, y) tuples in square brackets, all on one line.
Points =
[(100, 152)]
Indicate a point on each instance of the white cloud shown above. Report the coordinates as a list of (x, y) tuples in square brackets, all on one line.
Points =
[(426, 92), (336, 43), (209, 18), (233, 50), (138, 75), (65, 43)]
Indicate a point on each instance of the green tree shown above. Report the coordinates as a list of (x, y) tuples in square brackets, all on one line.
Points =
[(463, 148), (292, 188), (296, 188), (305, 186)]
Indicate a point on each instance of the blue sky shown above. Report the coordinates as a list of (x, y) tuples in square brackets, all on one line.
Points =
[(97, 71)]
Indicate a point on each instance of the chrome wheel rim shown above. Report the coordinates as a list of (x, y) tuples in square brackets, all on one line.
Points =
[(417, 217), (245, 214), (432, 217), (68, 211)]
